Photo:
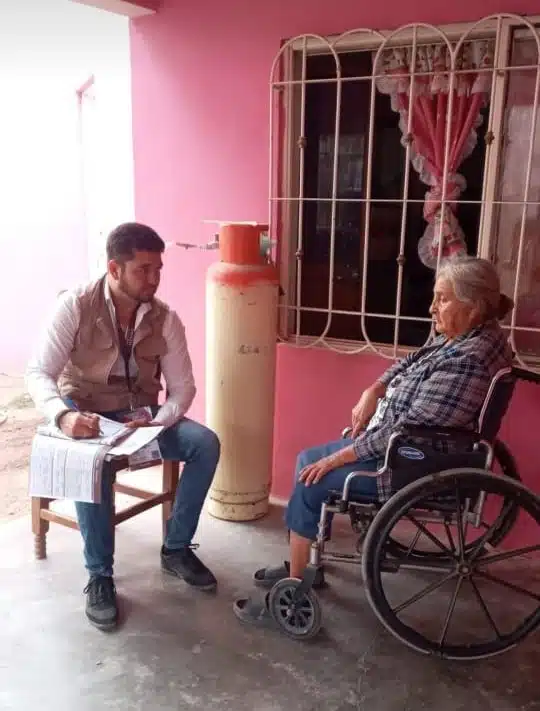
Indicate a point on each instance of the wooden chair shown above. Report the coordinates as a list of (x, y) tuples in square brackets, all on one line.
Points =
[(42, 515)]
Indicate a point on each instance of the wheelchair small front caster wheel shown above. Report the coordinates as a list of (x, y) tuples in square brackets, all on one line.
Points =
[(300, 619)]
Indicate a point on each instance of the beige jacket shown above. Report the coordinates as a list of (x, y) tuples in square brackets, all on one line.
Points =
[(86, 378)]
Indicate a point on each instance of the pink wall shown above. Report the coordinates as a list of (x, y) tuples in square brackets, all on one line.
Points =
[(200, 81)]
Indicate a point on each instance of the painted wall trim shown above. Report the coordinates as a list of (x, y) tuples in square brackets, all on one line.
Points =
[(129, 8)]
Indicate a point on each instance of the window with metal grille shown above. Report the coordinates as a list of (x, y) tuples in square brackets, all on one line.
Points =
[(391, 152)]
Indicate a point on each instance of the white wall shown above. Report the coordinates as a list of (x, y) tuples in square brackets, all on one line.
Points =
[(50, 219)]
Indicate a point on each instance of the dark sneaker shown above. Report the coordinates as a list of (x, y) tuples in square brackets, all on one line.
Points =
[(184, 564), (101, 607)]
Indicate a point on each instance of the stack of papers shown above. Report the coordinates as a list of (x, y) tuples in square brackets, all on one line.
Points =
[(66, 468)]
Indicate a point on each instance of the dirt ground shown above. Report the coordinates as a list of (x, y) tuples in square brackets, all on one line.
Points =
[(18, 421)]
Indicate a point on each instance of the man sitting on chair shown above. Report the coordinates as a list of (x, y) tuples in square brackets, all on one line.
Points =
[(104, 351), (442, 384)]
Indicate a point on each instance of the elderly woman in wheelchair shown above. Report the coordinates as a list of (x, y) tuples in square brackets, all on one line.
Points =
[(420, 450)]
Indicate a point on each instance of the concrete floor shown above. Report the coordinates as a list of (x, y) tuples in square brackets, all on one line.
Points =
[(180, 649)]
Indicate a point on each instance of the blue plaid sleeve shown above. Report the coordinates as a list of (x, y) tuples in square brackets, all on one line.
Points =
[(451, 397)]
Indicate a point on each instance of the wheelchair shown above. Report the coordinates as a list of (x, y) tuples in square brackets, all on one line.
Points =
[(435, 542)]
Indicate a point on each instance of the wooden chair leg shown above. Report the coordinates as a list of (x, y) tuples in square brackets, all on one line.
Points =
[(39, 527), (171, 474)]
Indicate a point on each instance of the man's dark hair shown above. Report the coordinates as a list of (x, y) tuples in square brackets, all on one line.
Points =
[(125, 239)]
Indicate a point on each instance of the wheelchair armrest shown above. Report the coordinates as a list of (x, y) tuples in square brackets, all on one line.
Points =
[(454, 434)]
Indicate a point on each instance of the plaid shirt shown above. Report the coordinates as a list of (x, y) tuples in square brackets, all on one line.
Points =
[(444, 384)]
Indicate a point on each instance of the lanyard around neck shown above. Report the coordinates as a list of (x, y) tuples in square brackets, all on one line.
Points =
[(125, 340)]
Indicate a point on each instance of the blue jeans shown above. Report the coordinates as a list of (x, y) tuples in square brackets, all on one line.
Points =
[(187, 441), (304, 508)]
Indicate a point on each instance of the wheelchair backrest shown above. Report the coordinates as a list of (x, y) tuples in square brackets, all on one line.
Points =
[(496, 403)]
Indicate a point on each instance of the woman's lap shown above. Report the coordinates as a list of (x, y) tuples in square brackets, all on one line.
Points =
[(303, 511)]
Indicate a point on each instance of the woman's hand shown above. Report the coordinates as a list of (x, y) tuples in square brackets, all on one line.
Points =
[(365, 408), (313, 473)]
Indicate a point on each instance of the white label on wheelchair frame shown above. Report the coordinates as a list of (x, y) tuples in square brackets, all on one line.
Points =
[(411, 453)]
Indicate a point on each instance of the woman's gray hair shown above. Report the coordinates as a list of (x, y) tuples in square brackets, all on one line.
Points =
[(476, 282)]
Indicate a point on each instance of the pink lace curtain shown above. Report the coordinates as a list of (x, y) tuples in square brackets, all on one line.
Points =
[(430, 113)]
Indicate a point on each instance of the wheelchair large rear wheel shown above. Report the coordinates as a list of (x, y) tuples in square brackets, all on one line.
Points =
[(414, 544), (472, 603)]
